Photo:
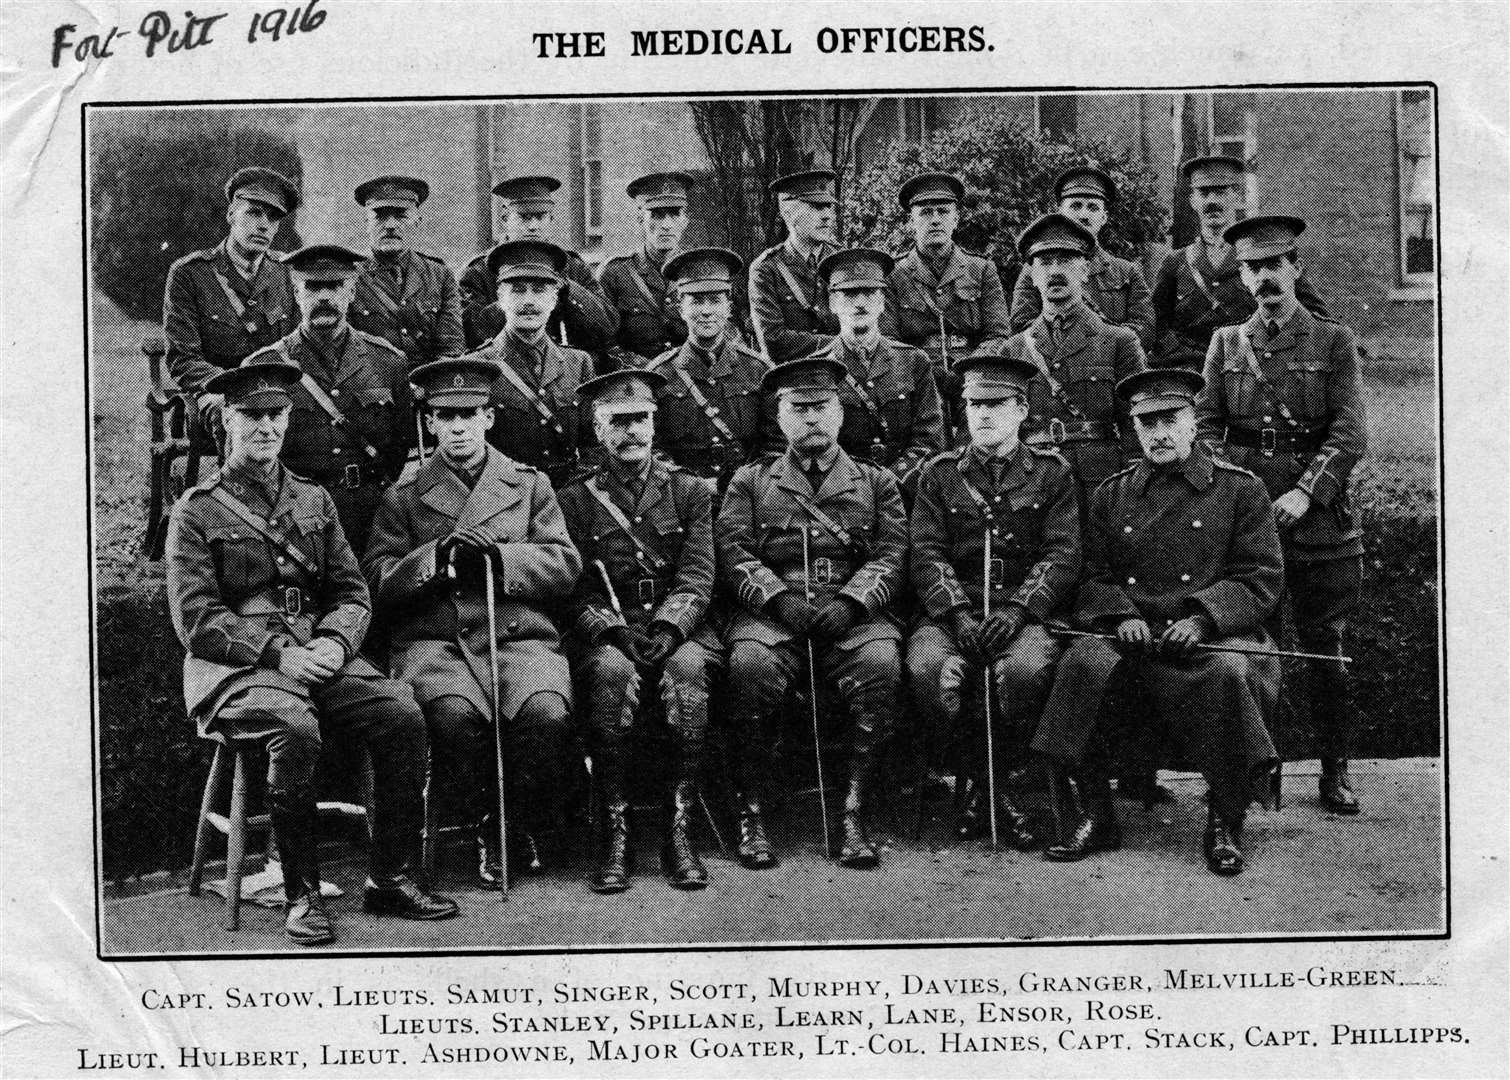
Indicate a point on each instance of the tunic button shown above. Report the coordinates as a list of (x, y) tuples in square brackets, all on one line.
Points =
[(281, 560), (1195, 524), (1268, 356), (1184, 577), (1132, 581), (336, 450), (1127, 528), (1268, 419), (335, 393), (513, 626)]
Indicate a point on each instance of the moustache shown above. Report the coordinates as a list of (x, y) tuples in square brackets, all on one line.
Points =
[(1267, 288), (1058, 281)]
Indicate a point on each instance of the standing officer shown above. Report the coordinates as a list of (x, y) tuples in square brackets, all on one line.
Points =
[(1283, 393), (892, 414), (270, 606), (536, 395), (351, 426), (1072, 405), (1114, 287), (788, 304), (637, 285), (405, 295), (708, 420), (582, 319), (1026, 504), (226, 302), (941, 298), (469, 511), (645, 531), (1180, 550), (811, 545), (1199, 288)]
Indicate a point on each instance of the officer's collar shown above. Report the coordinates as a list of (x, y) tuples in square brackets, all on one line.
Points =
[(825, 460), (1197, 469), (986, 459), (247, 269)]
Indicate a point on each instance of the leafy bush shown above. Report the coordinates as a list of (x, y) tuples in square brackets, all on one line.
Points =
[(1009, 171), (156, 194)]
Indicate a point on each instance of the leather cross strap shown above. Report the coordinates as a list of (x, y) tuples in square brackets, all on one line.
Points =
[(322, 399), (1257, 371), (640, 283), (644, 553), (382, 298), (871, 405), (235, 301), (702, 401), (1200, 282), (840, 533), (975, 493), (1055, 387), (265, 529), (792, 283), (528, 393)]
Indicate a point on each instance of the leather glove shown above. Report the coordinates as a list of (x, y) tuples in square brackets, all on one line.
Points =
[(834, 619), (1181, 638), (997, 632), (1133, 636), (793, 612), (966, 631), (629, 641), (658, 647)]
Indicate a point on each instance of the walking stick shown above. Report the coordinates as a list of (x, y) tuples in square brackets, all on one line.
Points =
[(986, 689), (1065, 631), (812, 692), (503, 836)]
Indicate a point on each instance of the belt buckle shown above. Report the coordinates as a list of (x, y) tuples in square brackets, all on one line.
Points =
[(293, 601), (998, 573), (1268, 441), (646, 590), (823, 570), (1056, 431), (351, 476)]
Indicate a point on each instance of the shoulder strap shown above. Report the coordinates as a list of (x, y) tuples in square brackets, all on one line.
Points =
[(1256, 370), (1055, 387), (843, 535), (644, 554), (327, 406), (380, 295), (975, 493), (702, 401), (872, 407), (792, 283), (1200, 282), (264, 528), (235, 301), (639, 281), (528, 393)]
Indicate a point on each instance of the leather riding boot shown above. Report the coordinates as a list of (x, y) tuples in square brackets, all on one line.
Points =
[(612, 874), (489, 853), (1087, 819), (305, 920), (754, 846), (855, 849), (1336, 793), (1012, 824), (1223, 844), (679, 857)]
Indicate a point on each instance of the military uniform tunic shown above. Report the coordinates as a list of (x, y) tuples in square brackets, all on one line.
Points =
[(1082, 418), (520, 429), (367, 380), (1115, 289), (662, 578), (790, 321), (414, 303), (650, 321), (1192, 298), (728, 378), (583, 319), (1162, 544), (1032, 509), (206, 330)]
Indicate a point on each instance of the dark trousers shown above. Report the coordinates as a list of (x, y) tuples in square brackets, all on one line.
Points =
[(1323, 597)]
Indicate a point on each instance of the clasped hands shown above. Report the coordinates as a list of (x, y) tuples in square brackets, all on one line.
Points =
[(312, 664), (647, 650), (1179, 639), (980, 640), (827, 622)]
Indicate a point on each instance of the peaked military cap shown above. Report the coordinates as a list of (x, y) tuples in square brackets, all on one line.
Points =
[(991, 375), (527, 260), (855, 268), (628, 390), (1055, 232), (1159, 389), (325, 262), (810, 185), (1263, 236), (456, 381), (1084, 181), (807, 379), (931, 187), (528, 192), (263, 186), (1216, 165), (402, 191), (256, 386), (661, 189), (702, 270)]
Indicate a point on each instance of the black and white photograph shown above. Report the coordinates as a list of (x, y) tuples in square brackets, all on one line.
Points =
[(584, 523)]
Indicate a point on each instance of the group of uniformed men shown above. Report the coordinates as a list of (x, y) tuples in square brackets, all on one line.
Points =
[(658, 511)]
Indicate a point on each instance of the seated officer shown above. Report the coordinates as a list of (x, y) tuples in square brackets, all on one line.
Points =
[(1024, 504), (709, 411), (645, 531), (1180, 551), (811, 545), (468, 511), (270, 606), (892, 413), (535, 397)]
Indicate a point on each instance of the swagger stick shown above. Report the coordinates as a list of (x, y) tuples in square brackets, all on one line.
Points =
[(986, 686), (812, 689), (1065, 631), (503, 836)]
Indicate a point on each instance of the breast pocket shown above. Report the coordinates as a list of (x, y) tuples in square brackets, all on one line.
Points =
[(1092, 389), (310, 530), (1312, 379), (238, 558), (1240, 388), (741, 410)]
